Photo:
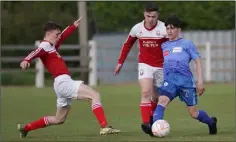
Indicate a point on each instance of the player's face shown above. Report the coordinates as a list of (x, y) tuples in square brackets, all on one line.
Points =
[(54, 35), (173, 32), (151, 17)]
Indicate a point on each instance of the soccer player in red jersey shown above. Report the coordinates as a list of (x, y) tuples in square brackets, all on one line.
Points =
[(66, 88), (150, 33)]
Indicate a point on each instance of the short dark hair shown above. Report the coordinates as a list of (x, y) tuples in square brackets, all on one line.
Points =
[(173, 20), (150, 7), (50, 25)]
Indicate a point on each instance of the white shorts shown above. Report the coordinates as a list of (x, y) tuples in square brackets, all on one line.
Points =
[(147, 71), (66, 89)]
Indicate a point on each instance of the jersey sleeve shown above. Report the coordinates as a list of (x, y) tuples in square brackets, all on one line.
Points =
[(134, 30), (193, 50), (128, 45), (38, 52), (65, 33), (165, 32)]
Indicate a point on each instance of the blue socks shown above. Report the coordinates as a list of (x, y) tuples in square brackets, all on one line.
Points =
[(202, 115), (204, 118), (158, 113)]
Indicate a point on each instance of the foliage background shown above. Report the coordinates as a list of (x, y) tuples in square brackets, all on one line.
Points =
[(22, 21)]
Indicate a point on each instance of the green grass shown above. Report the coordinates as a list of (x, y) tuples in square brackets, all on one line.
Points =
[(121, 104)]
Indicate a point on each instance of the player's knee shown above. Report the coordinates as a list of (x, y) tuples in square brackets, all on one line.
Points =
[(163, 100), (146, 94), (95, 96)]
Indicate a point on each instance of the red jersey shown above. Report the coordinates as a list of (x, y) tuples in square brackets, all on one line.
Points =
[(149, 42), (48, 54)]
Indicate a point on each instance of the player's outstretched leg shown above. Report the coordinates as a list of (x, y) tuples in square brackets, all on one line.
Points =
[(44, 121), (24, 129), (159, 113), (87, 93), (160, 109), (203, 117)]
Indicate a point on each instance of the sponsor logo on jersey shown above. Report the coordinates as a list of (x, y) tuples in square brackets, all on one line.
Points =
[(177, 49), (150, 43)]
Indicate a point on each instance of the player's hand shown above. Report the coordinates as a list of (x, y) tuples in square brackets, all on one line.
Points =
[(76, 23), (24, 65), (117, 69), (200, 89)]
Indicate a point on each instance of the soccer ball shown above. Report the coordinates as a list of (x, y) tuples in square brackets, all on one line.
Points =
[(160, 128)]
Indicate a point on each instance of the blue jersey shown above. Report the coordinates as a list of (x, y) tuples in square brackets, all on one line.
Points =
[(177, 56)]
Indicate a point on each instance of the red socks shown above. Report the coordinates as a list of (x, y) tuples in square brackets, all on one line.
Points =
[(99, 113), (41, 123), (145, 109)]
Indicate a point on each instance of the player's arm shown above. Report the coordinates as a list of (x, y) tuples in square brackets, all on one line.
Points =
[(67, 32), (38, 52), (200, 85), (125, 49), (196, 57), (199, 71)]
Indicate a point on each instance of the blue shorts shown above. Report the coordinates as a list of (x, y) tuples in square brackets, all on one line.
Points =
[(171, 90)]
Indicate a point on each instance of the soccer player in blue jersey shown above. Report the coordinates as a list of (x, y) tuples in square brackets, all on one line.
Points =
[(178, 79)]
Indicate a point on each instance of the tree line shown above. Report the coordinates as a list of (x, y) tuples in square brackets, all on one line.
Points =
[(22, 21)]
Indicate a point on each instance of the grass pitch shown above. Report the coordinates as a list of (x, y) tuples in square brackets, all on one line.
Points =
[(121, 104)]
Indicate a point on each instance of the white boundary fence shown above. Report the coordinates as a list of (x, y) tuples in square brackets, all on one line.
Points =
[(208, 62), (93, 78), (217, 50), (218, 59)]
